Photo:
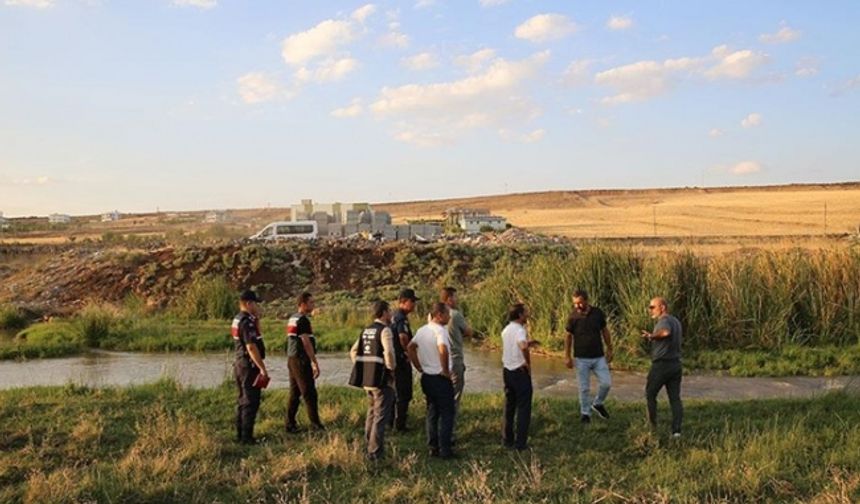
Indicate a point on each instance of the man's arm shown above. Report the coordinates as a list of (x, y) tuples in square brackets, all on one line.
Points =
[(607, 341), (412, 351), (568, 340), (256, 358), (309, 350), (661, 331), (353, 352), (388, 349), (465, 328), (524, 348), (443, 359)]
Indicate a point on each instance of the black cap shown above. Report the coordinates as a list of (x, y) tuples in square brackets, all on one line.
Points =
[(408, 294), (249, 295)]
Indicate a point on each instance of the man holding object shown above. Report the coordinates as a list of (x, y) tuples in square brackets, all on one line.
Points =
[(665, 363)]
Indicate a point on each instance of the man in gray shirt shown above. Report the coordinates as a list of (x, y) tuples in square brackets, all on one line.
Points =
[(665, 363), (457, 329)]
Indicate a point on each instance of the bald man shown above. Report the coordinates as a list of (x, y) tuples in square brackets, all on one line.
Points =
[(665, 363)]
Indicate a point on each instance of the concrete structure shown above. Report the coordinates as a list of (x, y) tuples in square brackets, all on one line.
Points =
[(4, 222), (216, 217), (59, 219), (340, 213), (475, 223), (452, 216), (111, 216)]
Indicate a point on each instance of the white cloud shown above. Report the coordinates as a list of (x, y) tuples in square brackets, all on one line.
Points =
[(845, 87), (746, 168), (716, 133), (354, 109), (783, 36), (619, 22), (362, 13), (423, 4), (752, 120), (806, 67), (329, 70), (394, 39), (644, 79), (420, 61), (545, 27), (201, 4), (492, 3), (324, 39), (735, 64), (475, 62), (528, 138), (435, 114), (257, 87), (577, 73), (36, 4)]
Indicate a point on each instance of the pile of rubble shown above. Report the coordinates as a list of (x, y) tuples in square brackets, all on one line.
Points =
[(512, 236)]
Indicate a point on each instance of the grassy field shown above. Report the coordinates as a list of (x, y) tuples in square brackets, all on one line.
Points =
[(756, 211), (160, 443)]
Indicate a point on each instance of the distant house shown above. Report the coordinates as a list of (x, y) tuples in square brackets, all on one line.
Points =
[(474, 224), (59, 219), (111, 216), (4, 222), (216, 217)]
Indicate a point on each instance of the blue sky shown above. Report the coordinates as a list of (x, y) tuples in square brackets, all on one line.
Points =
[(193, 104)]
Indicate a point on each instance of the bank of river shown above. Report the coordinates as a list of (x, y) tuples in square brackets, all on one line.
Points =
[(483, 374)]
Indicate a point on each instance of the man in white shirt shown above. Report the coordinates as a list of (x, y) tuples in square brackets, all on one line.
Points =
[(430, 353), (374, 363), (516, 360)]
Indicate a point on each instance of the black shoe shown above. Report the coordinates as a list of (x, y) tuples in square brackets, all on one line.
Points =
[(248, 441), (434, 452), (318, 427), (449, 456), (522, 448), (600, 411), (293, 429), (508, 446), (584, 419)]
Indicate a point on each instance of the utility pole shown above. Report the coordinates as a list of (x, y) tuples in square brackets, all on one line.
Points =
[(654, 218)]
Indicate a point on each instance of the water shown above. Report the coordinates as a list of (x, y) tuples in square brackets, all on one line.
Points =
[(483, 374)]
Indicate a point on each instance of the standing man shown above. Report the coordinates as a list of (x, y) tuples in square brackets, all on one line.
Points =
[(457, 329), (373, 369), (403, 372), (587, 329), (665, 363), (430, 353), (250, 353), (516, 359), (303, 365)]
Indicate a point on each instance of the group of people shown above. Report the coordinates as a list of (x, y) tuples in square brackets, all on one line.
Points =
[(386, 352)]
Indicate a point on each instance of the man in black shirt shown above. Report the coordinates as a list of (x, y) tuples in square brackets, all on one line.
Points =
[(587, 329), (302, 363), (403, 371), (250, 353)]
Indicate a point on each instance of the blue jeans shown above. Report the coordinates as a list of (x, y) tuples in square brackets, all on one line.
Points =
[(584, 368)]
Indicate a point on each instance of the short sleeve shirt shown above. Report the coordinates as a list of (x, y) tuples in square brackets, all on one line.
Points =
[(587, 330), (667, 348), (456, 330), (244, 330), (428, 338), (299, 325), (400, 325), (512, 355)]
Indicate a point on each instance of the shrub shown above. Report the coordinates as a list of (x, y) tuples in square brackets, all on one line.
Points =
[(96, 322), (207, 298), (12, 319)]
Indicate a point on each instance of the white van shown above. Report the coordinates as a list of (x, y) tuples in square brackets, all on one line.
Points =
[(286, 230)]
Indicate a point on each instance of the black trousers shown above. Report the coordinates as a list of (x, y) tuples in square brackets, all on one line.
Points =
[(439, 392), (302, 386), (518, 403), (665, 374), (403, 394), (248, 401)]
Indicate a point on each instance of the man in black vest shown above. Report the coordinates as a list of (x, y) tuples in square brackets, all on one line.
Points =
[(373, 370), (403, 373), (250, 353)]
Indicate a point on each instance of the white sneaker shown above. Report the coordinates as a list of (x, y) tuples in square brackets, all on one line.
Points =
[(676, 435)]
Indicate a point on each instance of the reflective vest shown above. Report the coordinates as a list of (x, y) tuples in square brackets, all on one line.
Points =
[(247, 323), (369, 368)]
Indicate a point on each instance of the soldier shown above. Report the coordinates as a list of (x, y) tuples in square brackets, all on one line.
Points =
[(403, 372), (303, 365), (249, 365)]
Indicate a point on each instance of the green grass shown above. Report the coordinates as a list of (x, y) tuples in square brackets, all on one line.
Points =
[(161, 443)]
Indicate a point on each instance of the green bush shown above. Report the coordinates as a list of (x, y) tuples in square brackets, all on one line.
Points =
[(96, 322), (207, 298), (12, 319)]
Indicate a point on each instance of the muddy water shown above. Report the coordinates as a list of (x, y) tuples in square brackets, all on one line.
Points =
[(483, 374)]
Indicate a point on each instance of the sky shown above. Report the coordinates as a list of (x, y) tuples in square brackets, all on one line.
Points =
[(144, 105)]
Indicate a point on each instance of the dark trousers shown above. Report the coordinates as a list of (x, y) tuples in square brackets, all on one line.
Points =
[(380, 408), (403, 393), (248, 401), (518, 403), (439, 392), (668, 374), (302, 385)]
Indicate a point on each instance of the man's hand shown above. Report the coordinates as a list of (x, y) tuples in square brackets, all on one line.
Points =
[(569, 363), (316, 369), (609, 355), (647, 335)]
